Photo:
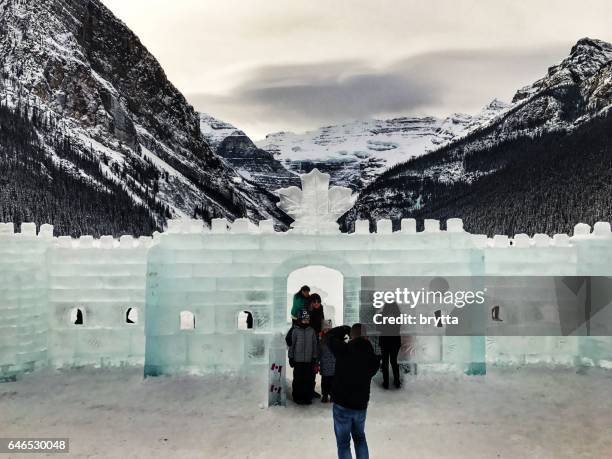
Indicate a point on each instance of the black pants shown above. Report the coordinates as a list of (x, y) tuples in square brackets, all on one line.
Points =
[(389, 354), (314, 378), (326, 385), (303, 380)]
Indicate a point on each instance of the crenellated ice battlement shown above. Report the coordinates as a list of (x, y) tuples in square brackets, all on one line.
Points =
[(45, 279), (123, 301), (601, 231)]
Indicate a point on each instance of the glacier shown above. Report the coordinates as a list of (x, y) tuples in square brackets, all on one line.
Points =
[(357, 152)]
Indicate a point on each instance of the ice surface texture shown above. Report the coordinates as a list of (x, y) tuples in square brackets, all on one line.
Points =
[(216, 274), (315, 208)]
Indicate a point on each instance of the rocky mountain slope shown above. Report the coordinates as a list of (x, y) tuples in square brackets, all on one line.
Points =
[(239, 151), (357, 152), (554, 133), (78, 73)]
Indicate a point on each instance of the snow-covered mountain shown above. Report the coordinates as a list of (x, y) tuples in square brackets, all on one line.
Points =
[(483, 176), (215, 130), (80, 74), (239, 151), (587, 67), (95, 139), (357, 152)]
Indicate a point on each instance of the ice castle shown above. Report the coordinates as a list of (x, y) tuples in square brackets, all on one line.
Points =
[(171, 302)]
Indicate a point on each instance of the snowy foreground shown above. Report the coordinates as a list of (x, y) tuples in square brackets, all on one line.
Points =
[(509, 414)]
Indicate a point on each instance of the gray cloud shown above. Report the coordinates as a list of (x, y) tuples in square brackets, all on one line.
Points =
[(467, 79), (207, 48), (352, 92), (299, 97)]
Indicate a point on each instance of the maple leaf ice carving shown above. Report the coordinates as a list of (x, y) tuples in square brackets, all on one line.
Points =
[(316, 207)]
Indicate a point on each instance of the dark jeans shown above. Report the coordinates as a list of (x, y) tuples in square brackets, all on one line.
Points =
[(303, 379), (349, 423), (389, 355), (326, 385)]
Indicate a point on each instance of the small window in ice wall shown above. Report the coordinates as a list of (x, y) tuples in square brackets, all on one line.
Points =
[(245, 320), (495, 314), (131, 316), (76, 316), (187, 320)]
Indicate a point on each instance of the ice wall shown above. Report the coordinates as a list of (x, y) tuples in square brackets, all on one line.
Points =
[(586, 253), (525, 256), (23, 299), (212, 275), (215, 274), (103, 278), (595, 259)]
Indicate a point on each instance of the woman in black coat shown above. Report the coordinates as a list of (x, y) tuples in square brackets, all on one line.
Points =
[(317, 315)]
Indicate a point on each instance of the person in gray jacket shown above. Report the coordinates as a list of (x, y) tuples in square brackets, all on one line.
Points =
[(303, 356), (327, 366)]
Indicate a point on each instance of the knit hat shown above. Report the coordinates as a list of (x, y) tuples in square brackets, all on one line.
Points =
[(304, 315)]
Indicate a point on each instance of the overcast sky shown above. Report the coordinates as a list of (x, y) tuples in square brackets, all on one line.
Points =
[(270, 65)]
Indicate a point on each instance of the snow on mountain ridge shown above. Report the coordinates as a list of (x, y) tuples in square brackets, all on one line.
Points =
[(571, 99), (360, 150), (586, 58), (215, 130), (77, 63), (239, 151)]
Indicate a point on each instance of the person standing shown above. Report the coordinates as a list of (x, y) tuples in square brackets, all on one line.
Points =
[(390, 347), (303, 356), (390, 342), (356, 364), (327, 366), (317, 314), (300, 301)]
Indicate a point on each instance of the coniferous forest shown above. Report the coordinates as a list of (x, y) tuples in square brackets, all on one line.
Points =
[(40, 183), (540, 184)]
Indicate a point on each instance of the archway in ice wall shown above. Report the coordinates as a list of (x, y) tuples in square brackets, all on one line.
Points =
[(327, 282), (346, 286)]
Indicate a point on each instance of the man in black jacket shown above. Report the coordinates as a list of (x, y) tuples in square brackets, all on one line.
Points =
[(356, 364)]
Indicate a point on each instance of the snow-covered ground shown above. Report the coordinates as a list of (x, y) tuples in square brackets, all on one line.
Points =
[(524, 413)]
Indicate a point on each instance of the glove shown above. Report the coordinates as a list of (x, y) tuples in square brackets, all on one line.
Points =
[(291, 363)]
